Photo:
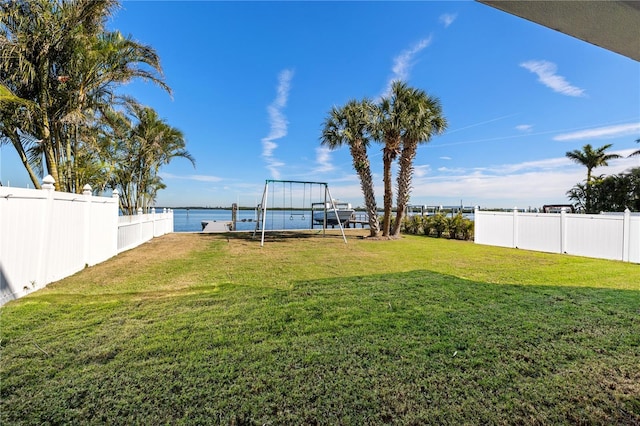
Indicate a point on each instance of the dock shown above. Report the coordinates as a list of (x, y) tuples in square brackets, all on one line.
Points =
[(214, 226)]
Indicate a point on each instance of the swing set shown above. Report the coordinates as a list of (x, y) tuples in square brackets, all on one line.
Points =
[(290, 205)]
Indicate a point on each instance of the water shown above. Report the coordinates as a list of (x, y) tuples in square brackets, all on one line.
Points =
[(190, 220)]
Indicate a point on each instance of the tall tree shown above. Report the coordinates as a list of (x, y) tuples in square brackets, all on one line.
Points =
[(613, 193), (389, 124), (36, 41), (13, 112), (57, 54), (424, 120), (147, 145), (350, 125), (591, 158)]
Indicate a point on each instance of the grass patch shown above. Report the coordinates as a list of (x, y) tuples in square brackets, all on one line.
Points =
[(193, 329)]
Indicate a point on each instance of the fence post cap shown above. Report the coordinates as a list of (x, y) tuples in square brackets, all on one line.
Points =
[(86, 190), (139, 210), (47, 182), (115, 193)]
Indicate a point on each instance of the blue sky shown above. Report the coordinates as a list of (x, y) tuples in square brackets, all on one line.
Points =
[(253, 81)]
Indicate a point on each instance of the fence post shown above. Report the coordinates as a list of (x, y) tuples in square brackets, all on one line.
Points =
[(563, 230), (153, 219), (515, 227), (86, 241), (476, 211), (626, 235), (45, 237), (140, 220), (116, 195), (165, 215)]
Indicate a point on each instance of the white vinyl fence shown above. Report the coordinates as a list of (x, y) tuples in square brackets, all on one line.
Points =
[(605, 236), (47, 235)]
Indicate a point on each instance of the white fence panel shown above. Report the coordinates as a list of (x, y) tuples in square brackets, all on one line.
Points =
[(634, 239), (47, 235), (135, 230), (494, 229), (103, 241), (540, 232), (128, 232), (605, 236), (63, 246), (147, 227), (598, 236), (22, 226)]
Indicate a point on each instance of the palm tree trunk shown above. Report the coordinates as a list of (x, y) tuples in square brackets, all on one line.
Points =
[(17, 144), (44, 125), (404, 183), (362, 167), (388, 192)]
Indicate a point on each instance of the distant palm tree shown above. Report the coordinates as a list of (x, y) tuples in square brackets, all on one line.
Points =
[(143, 148), (350, 125), (591, 158), (636, 152), (425, 119)]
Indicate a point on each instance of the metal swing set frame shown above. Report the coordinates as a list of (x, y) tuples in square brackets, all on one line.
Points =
[(328, 204)]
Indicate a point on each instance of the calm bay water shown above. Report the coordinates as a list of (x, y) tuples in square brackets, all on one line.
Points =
[(189, 220)]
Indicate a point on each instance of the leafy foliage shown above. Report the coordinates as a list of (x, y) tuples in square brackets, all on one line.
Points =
[(613, 193), (60, 75), (454, 227), (591, 158), (400, 121)]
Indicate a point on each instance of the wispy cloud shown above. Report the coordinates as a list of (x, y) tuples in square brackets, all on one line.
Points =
[(422, 170), (524, 128), (601, 132), (403, 63), (481, 123), (530, 183), (323, 159), (447, 19), (445, 158), (278, 123), (546, 72), (199, 178)]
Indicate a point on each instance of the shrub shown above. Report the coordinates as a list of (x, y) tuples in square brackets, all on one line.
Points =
[(439, 223), (412, 224), (455, 226)]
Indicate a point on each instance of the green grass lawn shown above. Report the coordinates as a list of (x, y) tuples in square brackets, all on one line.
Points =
[(205, 329)]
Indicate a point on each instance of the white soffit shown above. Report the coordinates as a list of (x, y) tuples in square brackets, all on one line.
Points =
[(613, 25)]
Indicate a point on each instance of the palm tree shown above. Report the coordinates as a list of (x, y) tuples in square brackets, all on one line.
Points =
[(350, 126), (13, 112), (143, 149), (389, 125), (58, 55), (36, 42), (425, 119), (635, 152), (591, 158)]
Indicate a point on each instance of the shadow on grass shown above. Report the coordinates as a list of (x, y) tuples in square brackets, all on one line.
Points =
[(276, 236), (404, 348)]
